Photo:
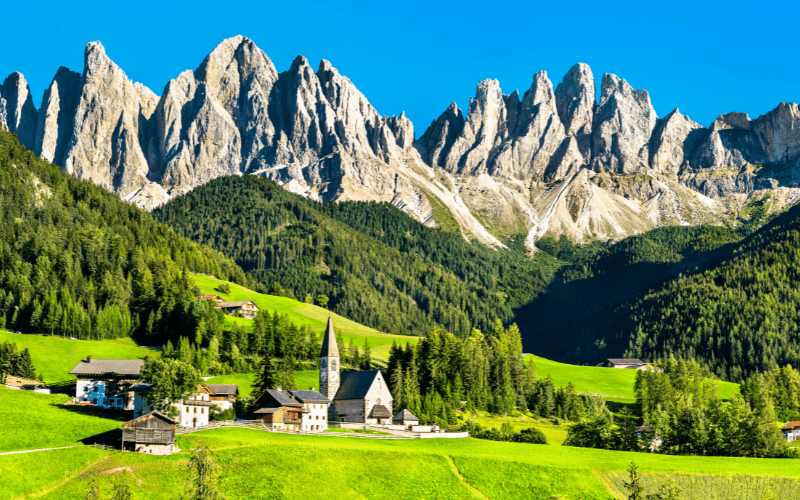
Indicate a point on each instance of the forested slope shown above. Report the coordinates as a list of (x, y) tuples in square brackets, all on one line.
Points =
[(76, 260), (377, 266)]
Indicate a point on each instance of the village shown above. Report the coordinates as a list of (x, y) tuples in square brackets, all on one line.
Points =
[(354, 401)]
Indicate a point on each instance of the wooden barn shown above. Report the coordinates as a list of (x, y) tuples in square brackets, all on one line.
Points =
[(152, 433)]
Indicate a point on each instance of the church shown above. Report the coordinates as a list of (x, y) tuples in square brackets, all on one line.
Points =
[(360, 397)]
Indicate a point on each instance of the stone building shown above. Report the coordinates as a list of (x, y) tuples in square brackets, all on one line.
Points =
[(361, 397)]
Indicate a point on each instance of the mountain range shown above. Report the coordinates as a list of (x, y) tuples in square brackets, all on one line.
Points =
[(552, 160)]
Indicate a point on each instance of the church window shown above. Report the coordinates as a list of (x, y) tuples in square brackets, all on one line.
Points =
[(333, 364)]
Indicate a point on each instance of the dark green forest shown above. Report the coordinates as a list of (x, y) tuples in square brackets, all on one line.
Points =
[(76, 260), (378, 266)]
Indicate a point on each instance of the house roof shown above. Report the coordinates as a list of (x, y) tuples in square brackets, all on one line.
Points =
[(794, 424), (283, 398), (238, 303), (309, 397), (118, 367), (355, 385), (261, 411), (224, 389), (153, 413), (141, 387), (626, 361), (329, 347), (405, 415), (380, 411)]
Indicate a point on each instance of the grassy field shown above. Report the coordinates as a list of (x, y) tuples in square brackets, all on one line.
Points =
[(338, 467), (607, 382), (31, 421), (302, 379), (307, 314), (56, 356), (555, 434)]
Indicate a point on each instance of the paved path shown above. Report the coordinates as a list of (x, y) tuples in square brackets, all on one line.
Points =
[(31, 451)]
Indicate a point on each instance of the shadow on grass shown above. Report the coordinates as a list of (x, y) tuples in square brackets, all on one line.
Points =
[(111, 438)]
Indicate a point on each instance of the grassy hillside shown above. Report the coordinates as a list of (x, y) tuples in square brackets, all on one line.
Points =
[(31, 420), (607, 382), (306, 314), (56, 356), (331, 467)]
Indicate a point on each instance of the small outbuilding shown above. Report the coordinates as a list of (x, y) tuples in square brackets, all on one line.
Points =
[(406, 418), (152, 433), (629, 363), (791, 431)]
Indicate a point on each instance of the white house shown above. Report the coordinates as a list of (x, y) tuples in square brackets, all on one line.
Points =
[(293, 410), (106, 382), (193, 410), (791, 431), (224, 395)]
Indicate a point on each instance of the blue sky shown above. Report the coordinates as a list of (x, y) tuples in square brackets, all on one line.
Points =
[(706, 58)]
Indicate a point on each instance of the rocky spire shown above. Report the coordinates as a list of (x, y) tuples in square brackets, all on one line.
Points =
[(623, 123), (575, 100), (674, 140), (17, 112), (435, 143), (57, 115), (778, 132), (105, 146)]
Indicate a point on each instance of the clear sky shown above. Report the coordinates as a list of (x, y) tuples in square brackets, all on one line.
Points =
[(706, 58)]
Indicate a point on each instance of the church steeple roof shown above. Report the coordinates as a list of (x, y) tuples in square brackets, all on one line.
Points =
[(329, 347)]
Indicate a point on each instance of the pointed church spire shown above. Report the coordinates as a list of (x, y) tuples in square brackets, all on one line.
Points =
[(329, 347)]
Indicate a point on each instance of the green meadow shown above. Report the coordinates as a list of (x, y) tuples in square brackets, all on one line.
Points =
[(313, 316), (256, 464), (54, 357)]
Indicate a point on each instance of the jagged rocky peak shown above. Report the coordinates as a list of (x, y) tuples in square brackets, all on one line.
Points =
[(731, 121), (17, 111), (535, 133), (484, 128), (104, 146), (435, 143), (674, 139), (779, 132), (623, 122), (57, 115), (575, 100)]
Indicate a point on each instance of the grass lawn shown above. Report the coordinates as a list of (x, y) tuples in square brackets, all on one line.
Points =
[(36, 474), (31, 421), (608, 382), (339, 467), (555, 434), (56, 356), (307, 314), (302, 379)]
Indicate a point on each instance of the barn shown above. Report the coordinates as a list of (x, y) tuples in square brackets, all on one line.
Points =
[(152, 433)]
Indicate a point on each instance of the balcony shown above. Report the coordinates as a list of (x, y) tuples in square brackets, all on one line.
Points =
[(292, 421)]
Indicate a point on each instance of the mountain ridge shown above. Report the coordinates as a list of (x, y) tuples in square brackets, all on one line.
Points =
[(551, 161)]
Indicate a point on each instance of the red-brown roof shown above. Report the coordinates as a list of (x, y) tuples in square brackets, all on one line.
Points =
[(794, 424)]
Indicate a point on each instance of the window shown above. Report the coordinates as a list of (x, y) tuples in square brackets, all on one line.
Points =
[(202, 410), (96, 389), (195, 409)]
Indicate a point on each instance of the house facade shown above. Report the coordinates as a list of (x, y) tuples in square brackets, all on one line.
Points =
[(247, 308), (627, 363), (791, 431), (106, 383), (279, 409), (224, 395), (192, 411), (361, 397)]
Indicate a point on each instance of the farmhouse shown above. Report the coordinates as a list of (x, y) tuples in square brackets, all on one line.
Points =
[(152, 433), (224, 395), (247, 308), (193, 410), (361, 397), (629, 363), (215, 298), (278, 409), (791, 431), (106, 382)]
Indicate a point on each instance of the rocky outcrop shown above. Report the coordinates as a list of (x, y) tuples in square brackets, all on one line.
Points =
[(57, 116), (547, 161), (104, 146), (17, 111), (623, 123)]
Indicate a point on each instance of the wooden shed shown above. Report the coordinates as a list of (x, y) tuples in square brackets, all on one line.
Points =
[(152, 433)]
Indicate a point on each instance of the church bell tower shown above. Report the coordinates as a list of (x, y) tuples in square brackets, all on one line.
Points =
[(329, 364)]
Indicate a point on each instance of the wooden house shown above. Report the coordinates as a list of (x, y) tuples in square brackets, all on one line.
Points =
[(247, 308), (224, 395), (629, 363), (106, 382), (278, 409), (27, 384), (152, 433)]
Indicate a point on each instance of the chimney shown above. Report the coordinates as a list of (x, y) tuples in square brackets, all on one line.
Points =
[(313, 389), (88, 359)]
